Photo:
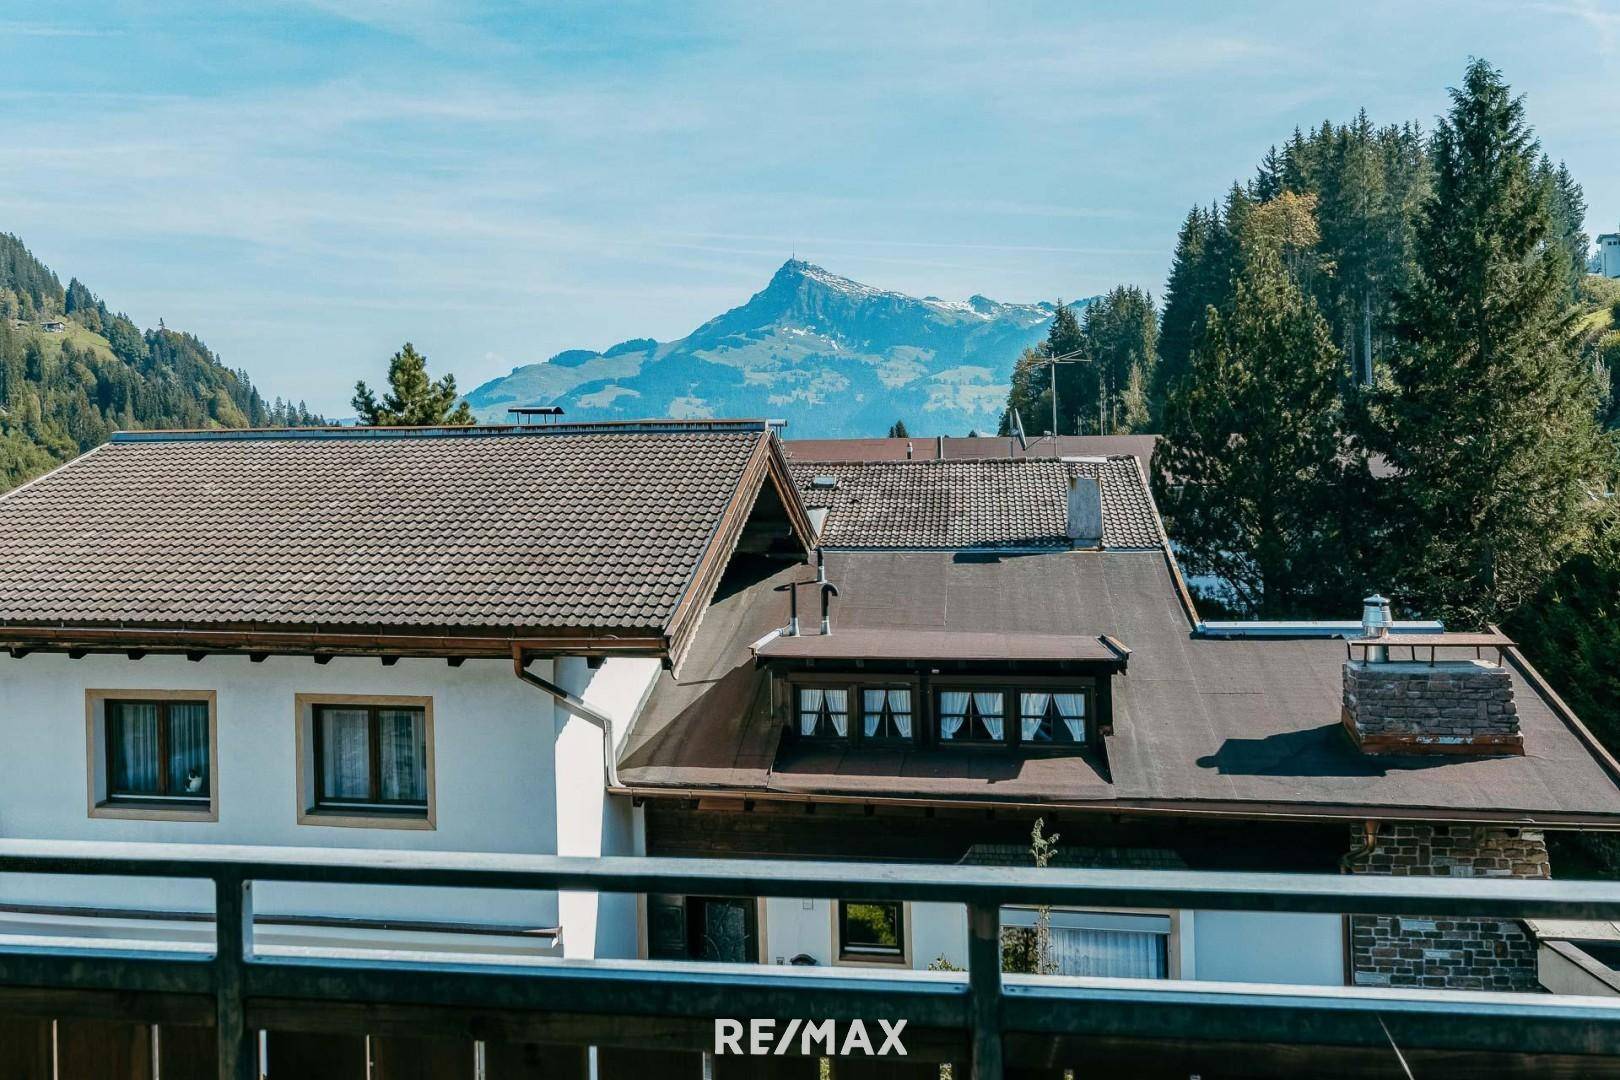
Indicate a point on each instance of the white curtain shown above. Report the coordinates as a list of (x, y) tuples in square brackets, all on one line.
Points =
[(838, 709), (1032, 711), (1072, 707), (345, 754), (952, 711), (188, 748), (403, 753), (900, 709), (135, 751), (1117, 954), (989, 705), (809, 711), (872, 710)]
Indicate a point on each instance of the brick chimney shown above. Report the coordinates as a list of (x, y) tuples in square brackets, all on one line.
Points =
[(1423, 705)]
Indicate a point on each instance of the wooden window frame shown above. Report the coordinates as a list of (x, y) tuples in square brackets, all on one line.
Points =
[(858, 715), (102, 803), (313, 809), (845, 956), (855, 684), (1008, 696), (1088, 718)]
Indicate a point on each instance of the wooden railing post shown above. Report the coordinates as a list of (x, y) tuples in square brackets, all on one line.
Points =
[(984, 982), (233, 945)]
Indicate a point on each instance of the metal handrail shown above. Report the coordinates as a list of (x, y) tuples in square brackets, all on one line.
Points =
[(984, 1003)]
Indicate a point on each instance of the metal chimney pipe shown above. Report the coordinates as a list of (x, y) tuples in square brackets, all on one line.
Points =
[(1375, 621), (828, 591)]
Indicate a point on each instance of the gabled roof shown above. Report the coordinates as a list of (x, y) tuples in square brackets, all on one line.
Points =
[(612, 535), (1021, 503)]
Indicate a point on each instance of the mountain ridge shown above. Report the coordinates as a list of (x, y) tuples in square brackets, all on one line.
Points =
[(831, 355)]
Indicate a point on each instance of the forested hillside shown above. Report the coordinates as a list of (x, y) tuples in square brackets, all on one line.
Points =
[(72, 372)]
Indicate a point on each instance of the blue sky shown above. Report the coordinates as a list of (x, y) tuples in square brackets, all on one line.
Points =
[(307, 185)]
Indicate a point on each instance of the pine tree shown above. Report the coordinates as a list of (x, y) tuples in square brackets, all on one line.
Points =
[(413, 399), (1249, 470), (1489, 424), (1566, 203), (1187, 296), (897, 430)]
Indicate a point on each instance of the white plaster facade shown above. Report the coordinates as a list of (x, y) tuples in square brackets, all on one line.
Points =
[(1219, 946), (512, 772)]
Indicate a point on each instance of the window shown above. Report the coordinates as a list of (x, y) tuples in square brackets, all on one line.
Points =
[(157, 751), (871, 930), (1099, 943), (886, 713), (371, 756), (365, 761), (1046, 717), (152, 754), (823, 712), (972, 716)]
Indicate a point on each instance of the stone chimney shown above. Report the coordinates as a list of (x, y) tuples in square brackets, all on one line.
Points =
[(1427, 706), (1085, 512)]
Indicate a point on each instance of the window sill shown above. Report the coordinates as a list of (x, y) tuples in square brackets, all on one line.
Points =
[(156, 810), (354, 818), (876, 959)]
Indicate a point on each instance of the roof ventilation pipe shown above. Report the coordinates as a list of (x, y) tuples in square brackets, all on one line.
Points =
[(828, 590), (1085, 512), (1375, 623)]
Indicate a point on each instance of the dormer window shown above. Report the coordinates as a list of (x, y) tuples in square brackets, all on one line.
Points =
[(1052, 717), (886, 713), (823, 712), (972, 716)]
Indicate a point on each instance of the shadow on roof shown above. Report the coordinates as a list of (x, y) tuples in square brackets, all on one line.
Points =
[(1318, 751)]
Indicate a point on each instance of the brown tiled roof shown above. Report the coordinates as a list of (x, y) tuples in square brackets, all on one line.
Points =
[(464, 531), (971, 504)]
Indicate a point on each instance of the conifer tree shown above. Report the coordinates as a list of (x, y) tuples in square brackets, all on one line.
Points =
[(1490, 421), (412, 399), (897, 430), (1249, 470)]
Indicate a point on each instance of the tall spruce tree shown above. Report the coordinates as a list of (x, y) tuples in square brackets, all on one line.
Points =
[(1489, 423), (413, 399), (1249, 469), (1187, 297)]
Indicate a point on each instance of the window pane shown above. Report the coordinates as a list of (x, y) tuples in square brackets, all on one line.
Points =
[(132, 737), (1072, 715), (953, 706), (403, 754), (345, 753), (1109, 954), (809, 711), (188, 748), (872, 927)]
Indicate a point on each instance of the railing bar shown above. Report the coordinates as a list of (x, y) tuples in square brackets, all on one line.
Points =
[(1206, 890)]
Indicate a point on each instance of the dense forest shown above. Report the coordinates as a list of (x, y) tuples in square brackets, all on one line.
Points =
[(1381, 365), (72, 372)]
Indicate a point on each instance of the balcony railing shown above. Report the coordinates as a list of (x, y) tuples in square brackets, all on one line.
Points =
[(981, 1018)]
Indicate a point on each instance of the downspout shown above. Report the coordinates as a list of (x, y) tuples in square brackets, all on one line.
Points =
[(573, 704)]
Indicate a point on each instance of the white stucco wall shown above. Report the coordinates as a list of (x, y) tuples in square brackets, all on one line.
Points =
[(1213, 945), (589, 822), (512, 773), (1275, 947)]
